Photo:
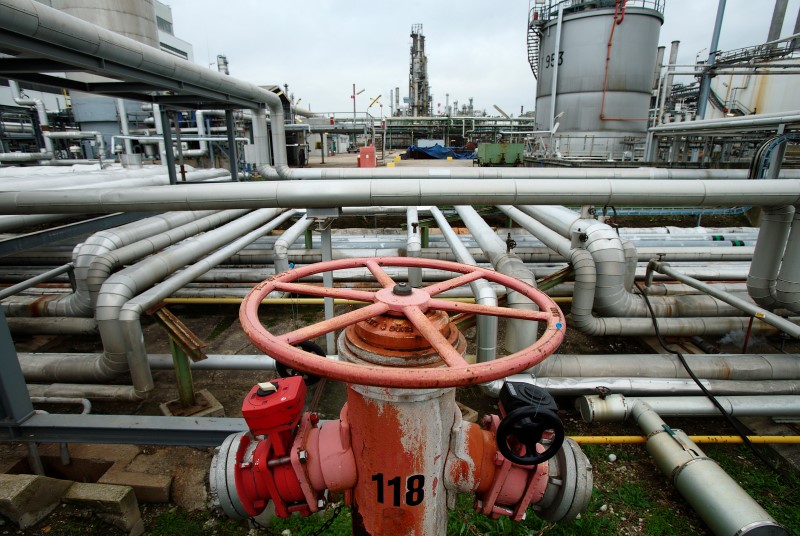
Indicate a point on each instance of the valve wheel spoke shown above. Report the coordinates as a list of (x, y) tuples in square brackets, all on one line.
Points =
[(449, 355), (326, 292), (455, 282), (383, 278), (478, 309), (337, 322)]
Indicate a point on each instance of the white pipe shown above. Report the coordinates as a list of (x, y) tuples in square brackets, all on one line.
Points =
[(787, 285), (519, 333), (80, 134), (413, 245), (130, 314), (201, 135), (41, 112), (772, 319), (617, 408), (412, 191), (289, 237), (724, 506), (481, 290), (123, 127)]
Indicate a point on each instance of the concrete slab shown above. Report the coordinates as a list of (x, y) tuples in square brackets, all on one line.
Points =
[(147, 488), (115, 505), (206, 405), (27, 499)]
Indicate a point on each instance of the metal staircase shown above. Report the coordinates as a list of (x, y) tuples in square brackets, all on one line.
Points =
[(533, 49)]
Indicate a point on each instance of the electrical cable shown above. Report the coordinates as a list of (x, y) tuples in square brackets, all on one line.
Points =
[(734, 424)]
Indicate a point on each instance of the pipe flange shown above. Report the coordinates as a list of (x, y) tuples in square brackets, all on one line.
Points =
[(222, 478)]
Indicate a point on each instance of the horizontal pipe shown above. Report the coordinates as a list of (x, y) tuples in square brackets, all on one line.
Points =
[(409, 187), (716, 439), (617, 408), (565, 386)]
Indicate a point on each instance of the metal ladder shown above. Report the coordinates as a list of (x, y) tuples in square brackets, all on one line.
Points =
[(533, 49)]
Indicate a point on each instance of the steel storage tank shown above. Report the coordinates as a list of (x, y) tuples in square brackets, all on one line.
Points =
[(604, 103)]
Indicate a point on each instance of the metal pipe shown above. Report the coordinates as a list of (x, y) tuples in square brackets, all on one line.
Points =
[(413, 245), (705, 81), (519, 333), (617, 408), (410, 192), (787, 284), (82, 300), (776, 223), (53, 326), (700, 439), (121, 393), (737, 123), (41, 112), (754, 310), (83, 402), (79, 135), (724, 506), (284, 242), (33, 281), (749, 367), (130, 313), (123, 126), (648, 386), (483, 292)]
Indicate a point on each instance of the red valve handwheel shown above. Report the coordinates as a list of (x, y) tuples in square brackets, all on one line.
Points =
[(457, 373)]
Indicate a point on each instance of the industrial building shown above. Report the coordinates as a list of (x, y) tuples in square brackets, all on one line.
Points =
[(396, 321)]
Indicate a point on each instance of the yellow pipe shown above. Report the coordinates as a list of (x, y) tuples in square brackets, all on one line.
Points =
[(633, 439), (300, 301)]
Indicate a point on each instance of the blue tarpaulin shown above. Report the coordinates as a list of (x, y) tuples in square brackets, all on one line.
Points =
[(437, 152)]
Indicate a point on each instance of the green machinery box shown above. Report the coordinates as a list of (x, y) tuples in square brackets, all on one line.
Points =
[(500, 154)]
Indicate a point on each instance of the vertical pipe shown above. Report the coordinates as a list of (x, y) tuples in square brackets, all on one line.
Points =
[(327, 281), (673, 59), (776, 25), (483, 292), (796, 31), (232, 158), (123, 126), (414, 246), (705, 83), (183, 373), (659, 66), (554, 86), (167, 134)]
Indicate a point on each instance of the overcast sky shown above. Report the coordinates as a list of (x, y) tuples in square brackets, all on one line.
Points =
[(475, 48)]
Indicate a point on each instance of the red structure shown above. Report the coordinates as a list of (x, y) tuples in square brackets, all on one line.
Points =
[(400, 453)]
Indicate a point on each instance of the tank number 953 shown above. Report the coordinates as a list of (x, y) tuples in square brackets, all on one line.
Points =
[(414, 492), (550, 59)]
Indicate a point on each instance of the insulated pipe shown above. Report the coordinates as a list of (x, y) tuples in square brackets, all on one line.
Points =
[(724, 506), (201, 133), (41, 112), (585, 289), (26, 157), (770, 318), (738, 123), (130, 314), (706, 366), (123, 126), (120, 393), (81, 302), (613, 296), (289, 237), (84, 403), (411, 191), (481, 289), (519, 333), (617, 408), (787, 286), (79, 135), (12, 223), (647, 386), (53, 326), (413, 245), (123, 286)]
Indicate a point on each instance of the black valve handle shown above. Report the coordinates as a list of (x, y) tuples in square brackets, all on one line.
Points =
[(527, 425)]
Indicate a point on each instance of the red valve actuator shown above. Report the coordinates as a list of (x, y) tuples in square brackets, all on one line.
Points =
[(274, 406)]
